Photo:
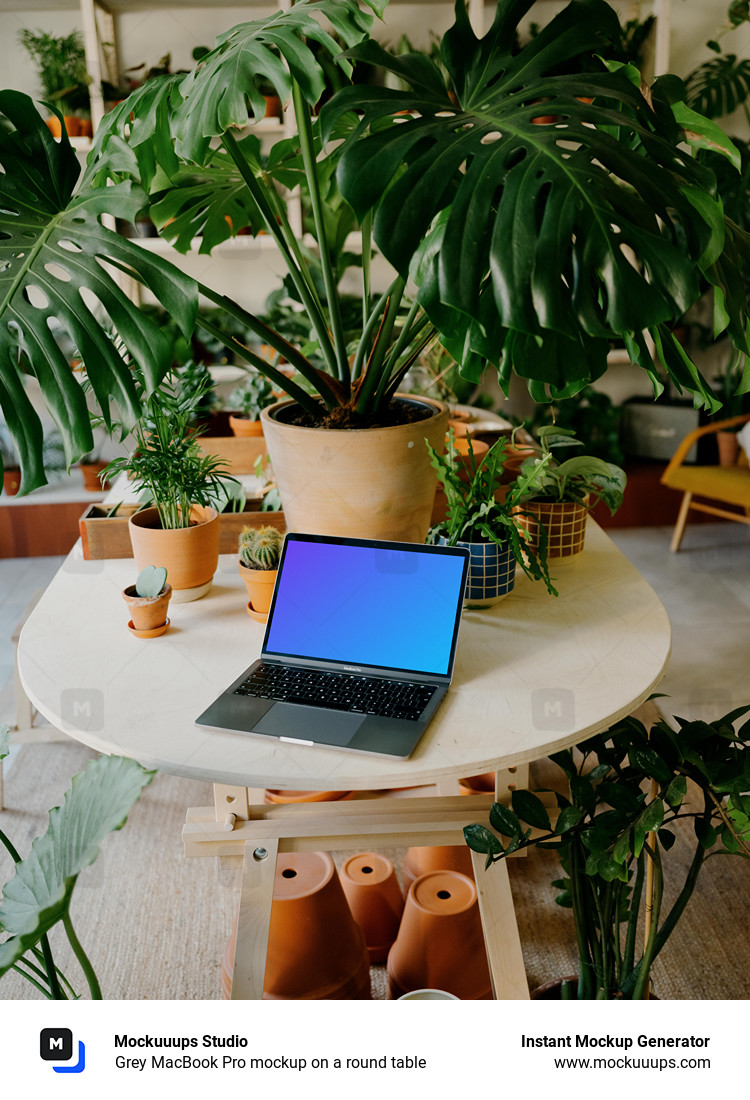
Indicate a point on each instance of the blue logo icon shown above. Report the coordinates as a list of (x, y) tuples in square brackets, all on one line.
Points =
[(56, 1045)]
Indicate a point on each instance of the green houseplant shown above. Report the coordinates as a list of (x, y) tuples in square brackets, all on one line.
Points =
[(61, 65), (488, 521), (148, 601), (249, 400), (39, 894), (558, 495), (620, 220), (181, 528), (628, 787)]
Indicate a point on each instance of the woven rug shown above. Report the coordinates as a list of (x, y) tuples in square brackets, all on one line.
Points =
[(155, 924)]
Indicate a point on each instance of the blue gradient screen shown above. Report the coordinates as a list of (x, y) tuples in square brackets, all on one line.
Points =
[(367, 605)]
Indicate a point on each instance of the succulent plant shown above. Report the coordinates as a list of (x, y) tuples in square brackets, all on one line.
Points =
[(151, 581), (260, 547)]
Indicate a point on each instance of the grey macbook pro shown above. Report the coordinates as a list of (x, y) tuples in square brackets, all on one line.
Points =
[(359, 646)]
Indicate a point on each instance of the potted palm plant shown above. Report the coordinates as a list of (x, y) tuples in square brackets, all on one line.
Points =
[(181, 528), (485, 517), (557, 496), (61, 65), (536, 272), (628, 787)]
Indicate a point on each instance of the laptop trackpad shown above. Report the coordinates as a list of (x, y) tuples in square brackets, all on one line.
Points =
[(327, 727)]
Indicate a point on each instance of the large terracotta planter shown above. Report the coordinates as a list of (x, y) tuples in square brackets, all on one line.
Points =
[(189, 554), (316, 950), (375, 899), (366, 483), (440, 943), (564, 523)]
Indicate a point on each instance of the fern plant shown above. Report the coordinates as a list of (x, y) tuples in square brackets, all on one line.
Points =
[(474, 512)]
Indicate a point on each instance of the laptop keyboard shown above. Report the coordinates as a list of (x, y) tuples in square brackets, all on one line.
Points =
[(338, 691)]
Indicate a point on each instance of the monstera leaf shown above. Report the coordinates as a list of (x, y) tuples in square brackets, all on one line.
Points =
[(38, 896), (570, 212), (54, 279)]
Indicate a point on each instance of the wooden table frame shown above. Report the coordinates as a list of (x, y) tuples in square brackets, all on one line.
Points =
[(236, 826)]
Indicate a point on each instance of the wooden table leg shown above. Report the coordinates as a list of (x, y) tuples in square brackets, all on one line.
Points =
[(501, 937), (254, 919)]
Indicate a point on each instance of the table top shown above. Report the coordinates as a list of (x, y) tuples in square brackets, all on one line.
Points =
[(533, 674)]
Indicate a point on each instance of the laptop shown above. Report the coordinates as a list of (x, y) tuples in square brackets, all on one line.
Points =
[(359, 646)]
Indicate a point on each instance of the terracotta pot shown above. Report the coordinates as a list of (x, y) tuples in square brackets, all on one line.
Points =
[(11, 481), (478, 784), (286, 798), (244, 428), (259, 584), (564, 523), (375, 899), (273, 106), (461, 447), (438, 857), (72, 125), (147, 613), (85, 128), (189, 554), (728, 448), (91, 471), (367, 483), (316, 950), (54, 125), (440, 943)]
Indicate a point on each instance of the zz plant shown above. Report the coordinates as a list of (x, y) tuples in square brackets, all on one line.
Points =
[(628, 788), (532, 246), (38, 896)]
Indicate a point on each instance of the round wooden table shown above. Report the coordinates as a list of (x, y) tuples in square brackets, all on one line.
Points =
[(533, 674)]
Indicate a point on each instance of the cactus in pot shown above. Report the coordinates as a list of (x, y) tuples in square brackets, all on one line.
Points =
[(260, 550)]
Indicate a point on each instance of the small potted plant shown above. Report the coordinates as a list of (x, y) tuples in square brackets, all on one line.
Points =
[(61, 66), (249, 400), (260, 550), (148, 602), (487, 519), (557, 496), (627, 788), (182, 528)]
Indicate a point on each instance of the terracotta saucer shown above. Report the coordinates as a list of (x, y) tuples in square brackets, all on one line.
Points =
[(259, 616), (155, 633)]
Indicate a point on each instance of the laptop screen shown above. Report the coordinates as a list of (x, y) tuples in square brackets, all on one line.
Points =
[(387, 605)]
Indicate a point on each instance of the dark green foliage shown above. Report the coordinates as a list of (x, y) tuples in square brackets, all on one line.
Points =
[(627, 786)]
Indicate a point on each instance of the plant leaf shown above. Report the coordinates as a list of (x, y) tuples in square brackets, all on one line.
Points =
[(504, 820), (39, 893), (530, 809), (51, 277), (480, 839), (543, 215)]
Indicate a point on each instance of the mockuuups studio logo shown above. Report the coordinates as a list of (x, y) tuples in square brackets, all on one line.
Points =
[(553, 709), (56, 1045)]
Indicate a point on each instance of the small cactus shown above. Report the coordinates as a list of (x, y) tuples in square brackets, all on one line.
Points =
[(260, 547)]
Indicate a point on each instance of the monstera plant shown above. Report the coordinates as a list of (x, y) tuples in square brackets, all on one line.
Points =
[(540, 199)]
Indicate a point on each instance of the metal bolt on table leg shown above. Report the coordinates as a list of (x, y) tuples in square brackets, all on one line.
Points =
[(260, 853)]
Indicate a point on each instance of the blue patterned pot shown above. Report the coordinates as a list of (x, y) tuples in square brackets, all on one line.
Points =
[(492, 572)]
